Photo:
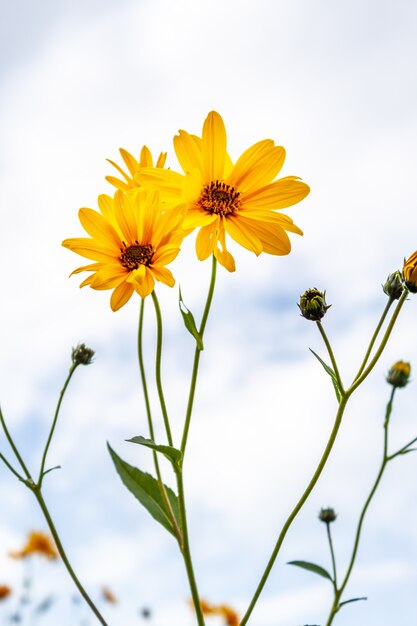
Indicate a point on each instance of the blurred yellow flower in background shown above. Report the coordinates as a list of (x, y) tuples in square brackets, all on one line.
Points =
[(37, 543), (229, 615), (132, 239), (108, 595), (221, 198), (133, 166)]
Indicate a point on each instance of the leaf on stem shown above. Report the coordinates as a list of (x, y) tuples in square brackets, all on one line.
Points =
[(189, 322), (352, 600), (331, 373), (51, 469), (172, 454), (407, 451), (312, 567), (145, 488)]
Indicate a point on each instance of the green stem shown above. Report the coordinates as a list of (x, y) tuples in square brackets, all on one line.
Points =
[(385, 459), (187, 553), (331, 355), (359, 379), (150, 423), (11, 468), (14, 448), (329, 537), (67, 564), (54, 421), (297, 508), (197, 355), (374, 336), (158, 367), (342, 405)]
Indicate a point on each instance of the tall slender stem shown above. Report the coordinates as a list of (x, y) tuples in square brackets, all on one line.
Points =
[(331, 355), (297, 508), (359, 379), (150, 423), (329, 537), (186, 551), (385, 459), (11, 468), (64, 557), (54, 421), (14, 447), (197, 355), (158, 367), (342, 405), (374, 336)]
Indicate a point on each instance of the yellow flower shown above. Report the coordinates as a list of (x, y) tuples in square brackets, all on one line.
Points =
[(399, 374), (220, 197), (37, 543), (5, 592), (133, 166), (410, 272), (132, 239)]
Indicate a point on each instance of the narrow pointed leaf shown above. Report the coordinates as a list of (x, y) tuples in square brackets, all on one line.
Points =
[(408, 450), (145, 488), (312, 567), (331, 373), (171, 453), (352, 600), (189, 322)]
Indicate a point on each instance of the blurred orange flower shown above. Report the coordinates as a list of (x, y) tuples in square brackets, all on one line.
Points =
[(37, 543), (5, 592)]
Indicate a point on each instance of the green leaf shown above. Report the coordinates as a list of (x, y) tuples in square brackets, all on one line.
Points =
[(312, 567), (331, 373), (189, 322), (146, 489), (352, 600), (408, 450), (172, 454)]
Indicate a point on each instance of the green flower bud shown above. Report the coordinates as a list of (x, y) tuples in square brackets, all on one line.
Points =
[(399, 374), (327, 515), (82, 355), (313, 304), (394, 285)]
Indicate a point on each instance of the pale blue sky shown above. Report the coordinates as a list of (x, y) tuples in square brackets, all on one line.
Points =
[(335, 83)]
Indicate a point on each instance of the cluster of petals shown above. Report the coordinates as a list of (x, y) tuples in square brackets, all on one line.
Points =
[(131, 241), (136, 233), (410, 272), (220, 198)]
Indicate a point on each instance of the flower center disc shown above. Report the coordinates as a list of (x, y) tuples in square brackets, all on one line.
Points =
[(135, 255), (219, 198)]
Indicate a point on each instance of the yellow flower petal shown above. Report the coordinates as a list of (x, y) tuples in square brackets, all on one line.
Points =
[(220, 251), (165, 255), (273, 237), (120, 296), (258, 166), (89, 249), (214, 147), (116, 182), (99, 228), (278, 195), (109, 277), (145, 158), (242, 234), (206, 240), (188, 149), (125, 216), (163, 275)]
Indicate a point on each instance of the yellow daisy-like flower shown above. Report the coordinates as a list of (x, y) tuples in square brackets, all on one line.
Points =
[(410, 272), (220, 197), (37, 543), (132, 239), (133, 166)]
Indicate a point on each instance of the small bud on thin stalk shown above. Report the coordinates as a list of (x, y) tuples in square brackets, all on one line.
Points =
[(399, 374), (313, 304), (82, 355), (394, 285), (327, 515)]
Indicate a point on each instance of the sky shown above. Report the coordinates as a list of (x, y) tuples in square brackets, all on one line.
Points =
[(335, 84)]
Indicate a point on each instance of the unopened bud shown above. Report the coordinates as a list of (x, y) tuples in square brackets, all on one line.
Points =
[(327, 515), (399, 374), (410, 272), (313, 304), (394, 285), (82, 355)]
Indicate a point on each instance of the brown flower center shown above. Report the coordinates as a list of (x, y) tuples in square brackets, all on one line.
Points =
[(219, 198), (136, 254)]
